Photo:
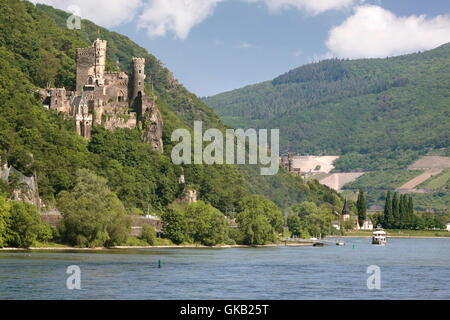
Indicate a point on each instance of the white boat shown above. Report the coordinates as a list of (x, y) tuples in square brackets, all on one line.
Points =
[(379, 236)]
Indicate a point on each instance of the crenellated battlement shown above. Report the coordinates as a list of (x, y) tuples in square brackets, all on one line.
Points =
[(86, 52), (138, 61)]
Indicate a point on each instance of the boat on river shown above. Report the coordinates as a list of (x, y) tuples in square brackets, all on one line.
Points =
[(379, 236)]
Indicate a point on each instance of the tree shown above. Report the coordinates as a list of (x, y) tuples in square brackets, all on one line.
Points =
[(255, 227), (4, 221), (295, 226), (148, 234), (92, 215), (267, 208), (25, 224), (305, 209), (315, 221), (388, 214), (428, 220), (174, 225), (377, 218), (260, 220), (396, 210), (361, 207), (206, 224), (319, 224), (410, 212), (404, 212)]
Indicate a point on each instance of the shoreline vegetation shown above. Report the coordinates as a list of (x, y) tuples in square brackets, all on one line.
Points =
[(360, 234), (193, 246)]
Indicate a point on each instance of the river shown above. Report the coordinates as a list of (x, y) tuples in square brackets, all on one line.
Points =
[(409, 269)]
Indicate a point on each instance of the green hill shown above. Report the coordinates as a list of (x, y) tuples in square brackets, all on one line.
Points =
[(375, 113), (37, 49)]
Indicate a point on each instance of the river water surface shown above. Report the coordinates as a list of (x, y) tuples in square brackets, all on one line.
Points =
[(409, 269)]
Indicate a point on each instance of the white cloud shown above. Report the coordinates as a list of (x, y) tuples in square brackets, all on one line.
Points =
[(244, 45), (107, 13), (310, 6), (178, 16), (298, 53), (376, 32)]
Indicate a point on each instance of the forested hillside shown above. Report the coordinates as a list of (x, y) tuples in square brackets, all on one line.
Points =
[(376, 113), (37, 49)]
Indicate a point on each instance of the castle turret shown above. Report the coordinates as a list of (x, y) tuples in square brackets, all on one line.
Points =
[(100, 58), (138, 78)]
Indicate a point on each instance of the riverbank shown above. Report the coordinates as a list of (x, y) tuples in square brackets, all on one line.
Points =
[(388, 236), (390, 233), (192, 246)]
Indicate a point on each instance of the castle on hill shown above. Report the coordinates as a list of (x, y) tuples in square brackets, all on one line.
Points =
[(112, 99)]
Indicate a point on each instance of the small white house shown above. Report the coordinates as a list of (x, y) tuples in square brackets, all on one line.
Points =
[(367, 224), (448, 226)]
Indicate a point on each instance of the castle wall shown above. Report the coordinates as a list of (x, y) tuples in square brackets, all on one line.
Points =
[(85, 67), (60, 100), (120, 121), (117, 90)]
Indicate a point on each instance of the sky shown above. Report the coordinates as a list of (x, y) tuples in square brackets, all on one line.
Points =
[(213, 46)]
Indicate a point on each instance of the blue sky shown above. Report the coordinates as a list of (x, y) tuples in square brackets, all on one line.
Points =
[(218, 45)]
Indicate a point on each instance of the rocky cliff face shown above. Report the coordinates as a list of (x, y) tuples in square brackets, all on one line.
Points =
[(25, 188), (152, 126)]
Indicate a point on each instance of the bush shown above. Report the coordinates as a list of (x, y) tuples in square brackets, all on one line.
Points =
[(4, 221), (148, 234), (45, 233), (174, 225), (135, 242), (25, 225)]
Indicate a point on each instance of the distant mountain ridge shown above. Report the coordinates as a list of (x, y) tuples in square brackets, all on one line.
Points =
[(375, 113)]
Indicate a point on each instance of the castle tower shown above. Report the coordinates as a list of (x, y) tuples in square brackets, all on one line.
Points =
[(91, 63), (100, 58), (138, 78)]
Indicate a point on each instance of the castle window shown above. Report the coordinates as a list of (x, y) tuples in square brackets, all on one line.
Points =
[(90, 80), (139, 83), (140, 71)]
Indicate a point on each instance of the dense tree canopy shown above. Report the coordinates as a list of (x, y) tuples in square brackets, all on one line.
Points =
[(376, 113), (93, 215), (94, 183)]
